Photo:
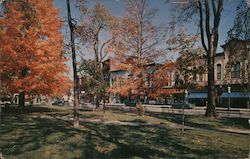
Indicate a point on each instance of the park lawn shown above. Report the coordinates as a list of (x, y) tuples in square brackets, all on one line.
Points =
[(203, 122), (25, 137), (150, 118)]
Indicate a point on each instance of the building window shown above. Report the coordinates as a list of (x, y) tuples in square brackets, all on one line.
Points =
[(178, 80), (201, 77), (218, 71), (235, 70)]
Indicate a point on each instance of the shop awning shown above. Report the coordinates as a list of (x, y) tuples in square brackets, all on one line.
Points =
[(236, 95), (197, 95)]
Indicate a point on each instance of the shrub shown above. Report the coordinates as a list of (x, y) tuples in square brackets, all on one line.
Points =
[(140, 109)]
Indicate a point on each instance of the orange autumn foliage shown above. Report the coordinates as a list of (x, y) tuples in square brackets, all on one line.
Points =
[(122, 86), (154, 82), (135, 46), (31, 49), (160, 79), (130, 83)]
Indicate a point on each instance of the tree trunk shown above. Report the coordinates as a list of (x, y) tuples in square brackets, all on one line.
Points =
[(97, 102), (76, 80), (21, 101), (212, 41), (104, 107), (211, 107), (248, 72)]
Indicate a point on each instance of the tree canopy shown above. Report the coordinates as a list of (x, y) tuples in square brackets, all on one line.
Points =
[(137, 41), (31, 48), (241, 26)]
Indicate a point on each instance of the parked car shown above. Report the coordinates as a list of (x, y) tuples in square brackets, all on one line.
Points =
[(6, 100), (182, 105), (130, 103), (58, 102)]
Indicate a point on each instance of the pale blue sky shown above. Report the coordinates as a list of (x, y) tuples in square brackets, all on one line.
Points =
[(117, 7)]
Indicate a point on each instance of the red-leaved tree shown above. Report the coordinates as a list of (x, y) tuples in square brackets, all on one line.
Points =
[(31, 49)]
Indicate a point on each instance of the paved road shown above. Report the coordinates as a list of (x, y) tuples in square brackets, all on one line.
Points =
[(222, 112)]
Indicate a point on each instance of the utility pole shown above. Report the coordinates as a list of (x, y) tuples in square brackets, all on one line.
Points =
[(248, 74), (76, 80), (229, 91), (249, 140)]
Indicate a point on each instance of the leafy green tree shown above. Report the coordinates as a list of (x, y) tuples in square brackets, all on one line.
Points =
[(94, 83)]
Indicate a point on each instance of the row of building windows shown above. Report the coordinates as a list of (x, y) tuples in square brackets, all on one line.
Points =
[(235, 72)]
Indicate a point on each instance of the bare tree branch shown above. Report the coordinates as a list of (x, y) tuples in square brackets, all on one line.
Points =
[(201, 27), (101, 50), (214, 7), (207, 8)]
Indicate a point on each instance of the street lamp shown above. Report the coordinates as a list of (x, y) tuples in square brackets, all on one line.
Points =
[(229, 91), (183, 113), (248, 53)]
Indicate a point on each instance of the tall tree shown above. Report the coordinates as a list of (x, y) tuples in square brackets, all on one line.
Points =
[(75, 78), (32, 59), (137, 42), (97, 22), (209, 16), (191, 61)]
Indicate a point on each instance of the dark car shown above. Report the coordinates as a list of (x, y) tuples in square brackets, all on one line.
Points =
[(182, 105), (6, 100), (58, 102), (130, 103)]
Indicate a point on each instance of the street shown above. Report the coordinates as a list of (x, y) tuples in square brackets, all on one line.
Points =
[(198, 111)]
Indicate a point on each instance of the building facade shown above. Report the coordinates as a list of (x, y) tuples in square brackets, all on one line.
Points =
[(164, 84), (231, 70)]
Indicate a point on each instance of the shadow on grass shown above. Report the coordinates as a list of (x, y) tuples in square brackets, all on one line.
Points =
[(235, 122), (126, 142), (22, 137), (135, 121), (91, 115), (144, 142), (203, 122), (14, 109)]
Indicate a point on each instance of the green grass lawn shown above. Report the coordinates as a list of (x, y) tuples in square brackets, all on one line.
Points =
[(25, 137), (202, 122)]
